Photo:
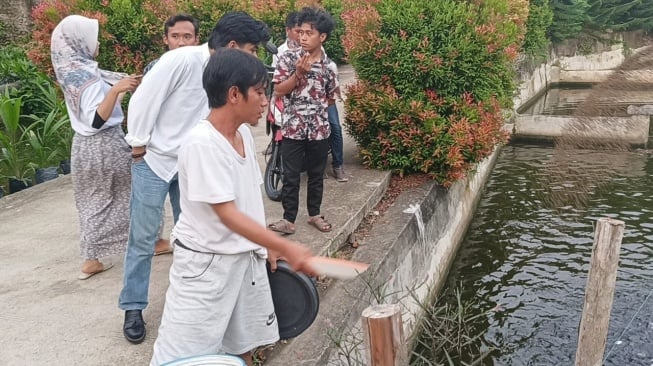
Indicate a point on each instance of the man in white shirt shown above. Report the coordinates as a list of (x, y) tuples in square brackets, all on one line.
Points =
[(292, 37), (178, 31), (161, 113)]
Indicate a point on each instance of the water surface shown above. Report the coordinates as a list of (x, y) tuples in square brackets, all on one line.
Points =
[(527, 254)]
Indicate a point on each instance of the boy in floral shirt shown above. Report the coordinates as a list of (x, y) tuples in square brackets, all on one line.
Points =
[(306, 80)]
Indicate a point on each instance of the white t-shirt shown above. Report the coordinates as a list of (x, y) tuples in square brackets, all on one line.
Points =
[(211, 171), (91, 98)]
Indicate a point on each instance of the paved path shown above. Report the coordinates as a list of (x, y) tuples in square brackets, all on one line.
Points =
[(49, 317)]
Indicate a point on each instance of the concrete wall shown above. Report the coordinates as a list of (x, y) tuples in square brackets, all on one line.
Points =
[(593, 68), (15, 16), (534, 81), (566, 64), (633, 130)]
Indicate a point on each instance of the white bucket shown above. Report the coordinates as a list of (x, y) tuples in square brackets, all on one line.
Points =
[(208, 360)]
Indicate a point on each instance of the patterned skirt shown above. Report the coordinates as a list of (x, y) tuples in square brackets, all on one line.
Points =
[(101, 174)]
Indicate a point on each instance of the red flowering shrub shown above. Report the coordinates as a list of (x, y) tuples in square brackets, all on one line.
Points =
[(132, 31), (433, 77), (46, 15)]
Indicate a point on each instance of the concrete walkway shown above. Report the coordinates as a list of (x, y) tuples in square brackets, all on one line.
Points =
[(49, 317)]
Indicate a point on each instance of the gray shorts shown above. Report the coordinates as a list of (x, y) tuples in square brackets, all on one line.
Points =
[(215, 304)]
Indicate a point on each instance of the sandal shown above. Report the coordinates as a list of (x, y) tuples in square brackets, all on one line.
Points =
[(167, 248), (86, 275), (283, 226), (320, 223)]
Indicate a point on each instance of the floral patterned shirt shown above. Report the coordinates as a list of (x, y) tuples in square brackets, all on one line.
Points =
[(305, 108)]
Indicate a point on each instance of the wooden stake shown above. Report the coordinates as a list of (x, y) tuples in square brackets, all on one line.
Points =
[(384, 335), (599, 292)]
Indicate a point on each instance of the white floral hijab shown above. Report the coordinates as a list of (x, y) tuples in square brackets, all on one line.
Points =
[(73, 44)]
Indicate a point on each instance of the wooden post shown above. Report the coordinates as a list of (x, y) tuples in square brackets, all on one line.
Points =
[(384, 335), (599, 292)]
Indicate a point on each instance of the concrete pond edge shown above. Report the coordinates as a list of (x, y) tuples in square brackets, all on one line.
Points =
[(410, 248)]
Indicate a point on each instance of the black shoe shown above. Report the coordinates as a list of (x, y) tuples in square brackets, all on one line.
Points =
[(134, 327)]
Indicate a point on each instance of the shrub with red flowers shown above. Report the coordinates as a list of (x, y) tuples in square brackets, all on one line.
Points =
[(432, 79), (132, 31)]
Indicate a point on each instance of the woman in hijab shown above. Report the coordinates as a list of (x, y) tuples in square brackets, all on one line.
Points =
[(100, 159)]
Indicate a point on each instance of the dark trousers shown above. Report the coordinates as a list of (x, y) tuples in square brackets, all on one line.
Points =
[(296, 155)]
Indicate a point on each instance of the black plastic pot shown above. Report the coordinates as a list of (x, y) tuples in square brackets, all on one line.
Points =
[(46, 174), (65, 166), (16, 185)]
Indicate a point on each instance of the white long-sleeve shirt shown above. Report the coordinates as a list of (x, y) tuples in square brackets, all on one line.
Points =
[(167, 104), (280, 51)]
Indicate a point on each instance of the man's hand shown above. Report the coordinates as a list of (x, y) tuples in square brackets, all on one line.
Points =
[(298, 256), (273, 257), (138, 152), (128, 84), (303, 66)]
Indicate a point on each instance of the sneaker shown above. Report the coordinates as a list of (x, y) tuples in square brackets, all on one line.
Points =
[(339, 173)]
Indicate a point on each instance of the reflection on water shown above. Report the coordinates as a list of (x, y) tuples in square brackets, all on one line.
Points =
[(557, 101), (530, 259), (562, 101), (570, 177)]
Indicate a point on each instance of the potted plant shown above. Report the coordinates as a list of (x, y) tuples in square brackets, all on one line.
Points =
[(43, 136), (64, 146), (57, 133), (13, 165)]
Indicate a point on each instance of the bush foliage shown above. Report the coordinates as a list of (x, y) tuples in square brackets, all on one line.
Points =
[(130, 48), (559, 20), (433, 77), (24, 79), (568, 18), (574, 18), (540, 17), (35, 130)]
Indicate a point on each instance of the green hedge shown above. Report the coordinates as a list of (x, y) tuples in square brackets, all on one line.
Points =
[(433, 76), (130, 48)]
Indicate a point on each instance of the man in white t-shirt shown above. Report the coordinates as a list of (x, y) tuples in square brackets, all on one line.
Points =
[(168, 103), (219, 299)]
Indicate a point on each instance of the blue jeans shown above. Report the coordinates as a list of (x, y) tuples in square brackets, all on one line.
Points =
[(335, 139), (145, 209)]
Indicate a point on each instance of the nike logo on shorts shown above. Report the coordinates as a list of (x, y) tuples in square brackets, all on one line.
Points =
[(271, 319)]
